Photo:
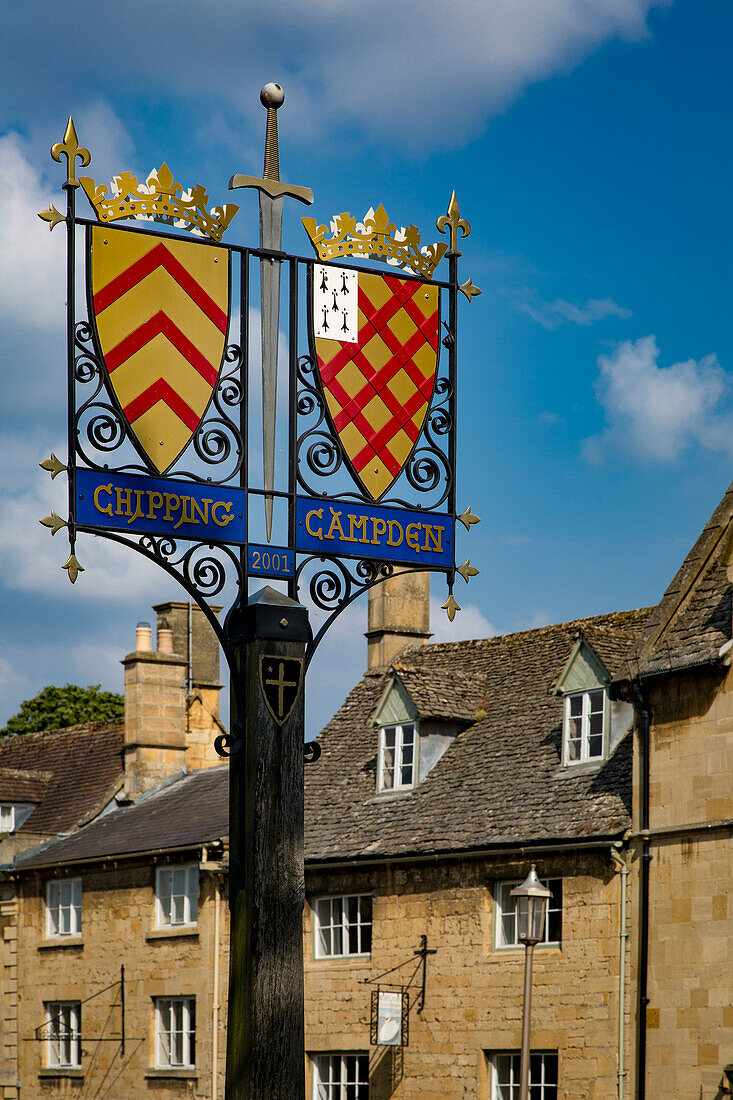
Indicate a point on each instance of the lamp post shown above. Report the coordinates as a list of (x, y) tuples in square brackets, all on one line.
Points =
[(531, 909)]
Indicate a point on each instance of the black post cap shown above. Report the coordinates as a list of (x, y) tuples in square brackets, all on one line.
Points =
[(273, 615)]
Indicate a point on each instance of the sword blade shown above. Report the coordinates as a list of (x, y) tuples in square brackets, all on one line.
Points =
[(271, 221)]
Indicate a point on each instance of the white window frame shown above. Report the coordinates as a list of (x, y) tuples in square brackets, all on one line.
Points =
[(177, 895), (175, 1016), (337, 907), (585, 735), (337, 1067), (63, 908), (63, 1039), (505, 906), (510, 1089), (399, 753), (13, 815)]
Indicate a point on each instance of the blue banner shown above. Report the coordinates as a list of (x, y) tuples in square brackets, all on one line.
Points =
[(270, 561), (342, 529), (160, 506)]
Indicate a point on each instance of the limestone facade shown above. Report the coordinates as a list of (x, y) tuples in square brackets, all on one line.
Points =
[(690, 1012)]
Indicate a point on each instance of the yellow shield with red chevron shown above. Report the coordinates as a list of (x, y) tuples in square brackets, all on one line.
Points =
[(161, 312), (376, 342)]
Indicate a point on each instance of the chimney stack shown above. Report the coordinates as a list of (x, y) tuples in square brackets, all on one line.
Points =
[(155, 712), (184, 627), (399, 615)]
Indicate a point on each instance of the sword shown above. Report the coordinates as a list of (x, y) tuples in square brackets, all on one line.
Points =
[(272, 196)]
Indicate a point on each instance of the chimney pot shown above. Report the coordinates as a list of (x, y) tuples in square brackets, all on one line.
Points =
[(143, 638), (165, 639)]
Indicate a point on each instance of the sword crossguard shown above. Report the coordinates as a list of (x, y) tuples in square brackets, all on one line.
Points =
[(272, 98)]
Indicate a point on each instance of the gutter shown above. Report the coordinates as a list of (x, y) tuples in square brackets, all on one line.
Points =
[(107, 857), (696, 828), (623, 868), (521, 848), (646, 856)]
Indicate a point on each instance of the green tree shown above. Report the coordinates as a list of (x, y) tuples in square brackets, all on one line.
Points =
[(56, 707)]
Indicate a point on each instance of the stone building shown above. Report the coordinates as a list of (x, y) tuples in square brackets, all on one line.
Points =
[(585, 748)]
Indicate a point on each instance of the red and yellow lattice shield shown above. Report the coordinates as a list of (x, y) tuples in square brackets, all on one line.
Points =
[(161, 312), (376, 342)]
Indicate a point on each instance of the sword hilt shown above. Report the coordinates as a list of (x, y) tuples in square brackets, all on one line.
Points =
[(272, 97)]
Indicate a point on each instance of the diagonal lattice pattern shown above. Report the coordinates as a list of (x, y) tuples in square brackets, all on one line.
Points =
[(378, 389)]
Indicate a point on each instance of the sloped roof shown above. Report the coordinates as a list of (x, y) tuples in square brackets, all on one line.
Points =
[(693, 619), (23, 786), (82, 766), (500, 781), (184, 812)]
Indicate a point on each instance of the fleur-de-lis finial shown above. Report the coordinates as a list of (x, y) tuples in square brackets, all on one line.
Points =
[(455, 221), (73, 151)]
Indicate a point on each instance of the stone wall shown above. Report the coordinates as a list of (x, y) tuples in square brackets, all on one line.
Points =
[(118, 928), (690, 1014), (473, 1003)]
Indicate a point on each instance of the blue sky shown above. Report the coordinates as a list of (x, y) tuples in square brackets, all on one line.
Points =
[(588, 142)]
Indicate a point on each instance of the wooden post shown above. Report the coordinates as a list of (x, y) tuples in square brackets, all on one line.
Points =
[(265, 1037)]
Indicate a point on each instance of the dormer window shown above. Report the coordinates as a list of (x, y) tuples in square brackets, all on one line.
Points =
[(584, 727), (397, 751)]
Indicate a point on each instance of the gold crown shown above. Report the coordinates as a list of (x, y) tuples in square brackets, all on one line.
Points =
[(159, 199), (377, 237)]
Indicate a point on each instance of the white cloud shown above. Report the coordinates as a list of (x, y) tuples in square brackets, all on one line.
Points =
[(32, 557), (657, 412), (470, 622), (419, 74), (33, 287), (553, 314)]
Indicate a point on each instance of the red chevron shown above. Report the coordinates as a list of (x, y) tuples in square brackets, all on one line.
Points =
[(160, 256), (161, 391), (160, 324)]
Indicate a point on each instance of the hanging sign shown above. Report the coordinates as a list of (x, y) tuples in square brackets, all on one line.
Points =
[(390, 1018)]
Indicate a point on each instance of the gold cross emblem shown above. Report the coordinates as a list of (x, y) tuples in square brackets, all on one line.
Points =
[(280, 679)]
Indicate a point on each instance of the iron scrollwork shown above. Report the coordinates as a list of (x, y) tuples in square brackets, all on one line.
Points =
[(101, 429)]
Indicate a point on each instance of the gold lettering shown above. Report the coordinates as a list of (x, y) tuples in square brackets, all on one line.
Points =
[(205, 513), (158, 498), (226, 519), (169, 498), (390, 540), (412, 536), (184, 518), (437, 540), (335, 525), (138, 514), (379, 527), (318, 533), (126, 493), (103, 489), (357, 523)]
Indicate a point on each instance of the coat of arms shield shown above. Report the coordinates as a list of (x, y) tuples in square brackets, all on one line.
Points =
[(375, 338), (160, 309)]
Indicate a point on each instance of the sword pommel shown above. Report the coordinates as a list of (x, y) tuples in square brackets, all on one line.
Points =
[(272, 97)]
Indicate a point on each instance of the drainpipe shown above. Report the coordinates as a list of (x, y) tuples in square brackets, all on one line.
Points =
[(623, 936), (643, 983), (215, 991)]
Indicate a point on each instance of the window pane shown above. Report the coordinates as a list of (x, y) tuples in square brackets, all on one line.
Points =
[(554, 911), (192, 891), (408, 735), (576, 706), (595, 747), (595, 699)]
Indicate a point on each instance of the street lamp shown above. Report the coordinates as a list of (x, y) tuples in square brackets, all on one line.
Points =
[(531, 909)]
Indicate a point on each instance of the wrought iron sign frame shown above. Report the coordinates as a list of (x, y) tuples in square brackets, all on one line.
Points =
[(99, 430)]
